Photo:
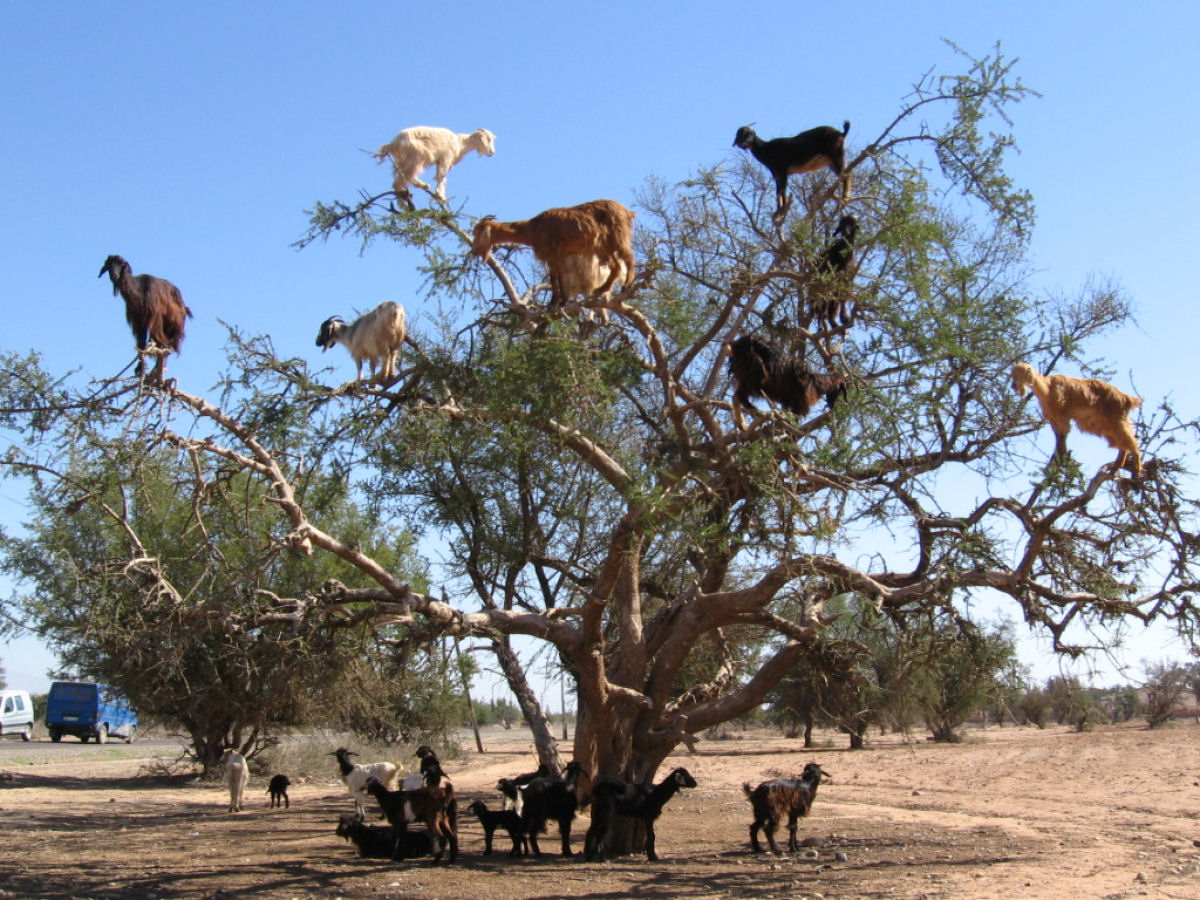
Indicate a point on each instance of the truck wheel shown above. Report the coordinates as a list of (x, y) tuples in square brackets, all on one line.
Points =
[(27, 732), (102, 734), (55, 735), (132, 734), (84, 738)]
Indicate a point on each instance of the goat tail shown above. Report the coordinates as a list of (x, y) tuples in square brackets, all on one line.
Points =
[(845, 127), (747, 790)]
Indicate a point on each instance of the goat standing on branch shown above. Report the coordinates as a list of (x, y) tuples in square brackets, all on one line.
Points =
[(415, 149), (375, 337), (818, 148), (154, 309), (600, 229), (759, 370), (1095, 406), (829, 292)]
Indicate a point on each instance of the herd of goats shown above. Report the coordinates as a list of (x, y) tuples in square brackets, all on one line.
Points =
[(530, 802), (587, 249)]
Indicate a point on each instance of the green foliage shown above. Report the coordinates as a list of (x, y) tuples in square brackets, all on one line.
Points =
[(1164, 688)]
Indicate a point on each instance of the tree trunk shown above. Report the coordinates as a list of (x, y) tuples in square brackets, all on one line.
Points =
[(539, 724)]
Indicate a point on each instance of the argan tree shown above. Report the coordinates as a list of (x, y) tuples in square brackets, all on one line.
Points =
[(596, 498)]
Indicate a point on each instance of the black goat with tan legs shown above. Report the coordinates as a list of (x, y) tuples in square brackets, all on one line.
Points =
[(818, 148), (612, 797), (435, 806), (154, 309), (780, 798), (507, 819), (832, 271), (759, 370)]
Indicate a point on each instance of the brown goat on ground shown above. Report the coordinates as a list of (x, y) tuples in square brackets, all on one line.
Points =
[(759, 370), (435, 806), (602, 229), (782, 797), (154, 309), (1095, 406)]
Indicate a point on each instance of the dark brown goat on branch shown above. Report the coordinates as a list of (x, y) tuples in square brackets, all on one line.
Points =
[(759, 370), (829, 290), (154, 309)]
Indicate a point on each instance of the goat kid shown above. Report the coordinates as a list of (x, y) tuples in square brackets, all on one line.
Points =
[(774, 800), (1095, 406), (759, 370), (612, 797), (415, 149), (375, 337), (154, 309), (508, 819), (600, 229), (818, 148), (277, 788)]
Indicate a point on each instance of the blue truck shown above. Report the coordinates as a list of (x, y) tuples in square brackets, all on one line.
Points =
[(88, 710)]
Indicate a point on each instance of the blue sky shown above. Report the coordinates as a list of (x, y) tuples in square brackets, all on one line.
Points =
[(189, 138)]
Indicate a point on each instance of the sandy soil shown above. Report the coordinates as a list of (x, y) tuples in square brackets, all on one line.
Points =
[(1009, 813)]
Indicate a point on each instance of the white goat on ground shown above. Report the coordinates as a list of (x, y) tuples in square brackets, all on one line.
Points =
[(375, 337), (356, 776), (237, 773), (415, 149)]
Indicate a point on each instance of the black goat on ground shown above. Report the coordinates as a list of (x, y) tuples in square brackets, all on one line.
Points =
[(154, 309), (790, 797), (435, 806), (759, 370), (491, 819), (554, 798), (612, 797), (817, 148), (511, 787), (379, 841), (277, 788), (829, 290)]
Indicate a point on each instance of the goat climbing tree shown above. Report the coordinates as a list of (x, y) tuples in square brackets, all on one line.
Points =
[(594, 497)]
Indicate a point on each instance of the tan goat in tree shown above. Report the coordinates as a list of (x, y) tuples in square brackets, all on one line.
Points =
[(602, 229), (1095, 406)]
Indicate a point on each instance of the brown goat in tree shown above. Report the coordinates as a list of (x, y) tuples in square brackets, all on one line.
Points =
[(154, 309), (759, 370), (1095, 406), (602, 229)]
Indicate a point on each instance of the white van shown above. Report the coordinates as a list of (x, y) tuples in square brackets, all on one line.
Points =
[(16, 714)]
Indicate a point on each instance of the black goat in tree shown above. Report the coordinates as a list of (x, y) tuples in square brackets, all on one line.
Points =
[(818, 148), (829, 289), (612, 797), (759, 370), (154, 309)]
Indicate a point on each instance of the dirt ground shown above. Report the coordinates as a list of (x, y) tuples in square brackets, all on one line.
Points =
[(1008, 813)]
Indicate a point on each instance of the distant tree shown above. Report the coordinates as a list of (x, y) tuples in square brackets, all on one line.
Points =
[(3, 679), (1164, 687), (1072, 703), (960, 672), (1034, 706)]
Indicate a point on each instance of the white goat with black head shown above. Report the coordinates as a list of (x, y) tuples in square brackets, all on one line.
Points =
[(375, 337), (415, 149)]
